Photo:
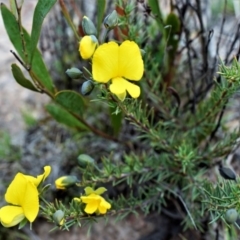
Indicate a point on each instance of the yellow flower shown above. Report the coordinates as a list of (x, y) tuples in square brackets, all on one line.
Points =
[(87, 46), (22, 194), (94, 202), (118, 63), (65, 181)]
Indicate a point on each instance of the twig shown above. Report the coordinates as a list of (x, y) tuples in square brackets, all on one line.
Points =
[(18, 58)]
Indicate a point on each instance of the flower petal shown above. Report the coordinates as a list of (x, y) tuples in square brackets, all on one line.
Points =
[(77, 199), (133, 90), (91, 207), (30, 202), (118, 86), (87, 46), (105, 62), (11, 215), (92, 202), (40, 178), (104, 206), (16, 190), (100, 190), (88, 190), (24, 193), (130, 61)]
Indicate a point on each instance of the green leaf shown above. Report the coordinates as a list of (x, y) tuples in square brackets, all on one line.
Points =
[(116, 120), (61, 115), (70, 100), (154, 5), (38, 66), (40, 12), (100, 13), (20, 78), (22, 223)]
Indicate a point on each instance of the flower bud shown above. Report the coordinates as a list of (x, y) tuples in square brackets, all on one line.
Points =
[(65, 182), (88, 26), (227, 173), (87, 46), (231, 215), (84, 160), (74, 73), (58, 217), (111, 20), (87, 87)]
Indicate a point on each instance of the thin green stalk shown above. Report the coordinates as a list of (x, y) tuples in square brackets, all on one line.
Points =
[(68, 19)]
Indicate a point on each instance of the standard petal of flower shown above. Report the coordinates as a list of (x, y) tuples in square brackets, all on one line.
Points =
[(105, 62), (130, 61), (16, 190), (11, 215), (87, 47), (104, 206), (30, 201), (100, 190), (88, 190)]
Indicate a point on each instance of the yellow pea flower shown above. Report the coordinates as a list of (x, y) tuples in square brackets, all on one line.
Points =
[(22, 195), (118, 63), (87, 46), (94, 202)]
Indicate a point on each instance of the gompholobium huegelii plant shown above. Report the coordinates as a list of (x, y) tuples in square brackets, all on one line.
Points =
[(158, 129)]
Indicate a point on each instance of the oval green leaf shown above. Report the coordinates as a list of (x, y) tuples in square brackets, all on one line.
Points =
[(100, 13), (21, 80), (40, 12), (61, 115), (70, 100)]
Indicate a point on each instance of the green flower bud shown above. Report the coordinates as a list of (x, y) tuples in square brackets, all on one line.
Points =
[(84, 160), (87, 87), (111, 20), (65, 182), (58, 217), (74, 73), (231, 215), (88, 26)]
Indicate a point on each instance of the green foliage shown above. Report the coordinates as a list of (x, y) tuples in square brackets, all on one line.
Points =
[(71, 100), (20, 78), (101, 5), (41, 10), (63, 116), (22, 42)]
